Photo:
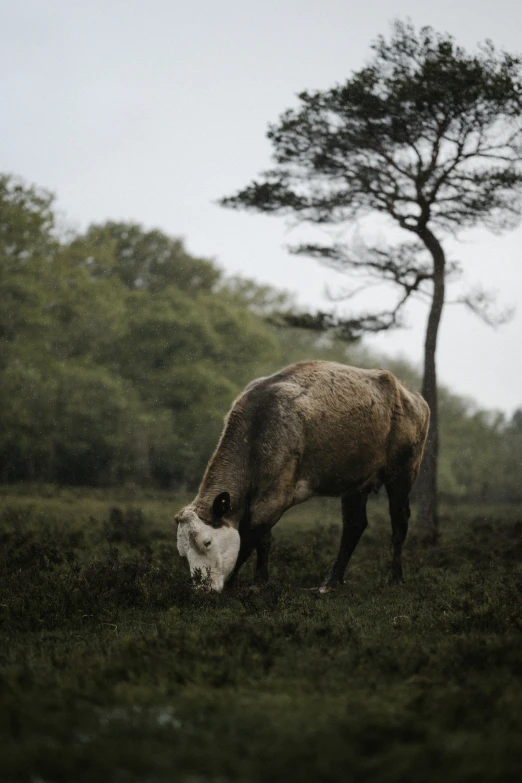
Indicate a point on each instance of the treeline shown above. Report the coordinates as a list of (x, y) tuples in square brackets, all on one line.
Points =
[(121, 352)]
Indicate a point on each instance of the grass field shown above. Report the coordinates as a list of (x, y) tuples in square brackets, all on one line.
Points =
[(113, 669)]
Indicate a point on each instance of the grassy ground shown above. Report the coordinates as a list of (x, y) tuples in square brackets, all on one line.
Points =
[(112, 668)]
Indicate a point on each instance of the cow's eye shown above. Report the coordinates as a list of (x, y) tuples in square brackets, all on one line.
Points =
[(221, 505), (207, 543)]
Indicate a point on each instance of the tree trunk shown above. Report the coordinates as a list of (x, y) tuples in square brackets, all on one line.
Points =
[(427, 515)]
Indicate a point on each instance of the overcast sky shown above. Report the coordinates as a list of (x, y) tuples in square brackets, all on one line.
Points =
[(151, 111)]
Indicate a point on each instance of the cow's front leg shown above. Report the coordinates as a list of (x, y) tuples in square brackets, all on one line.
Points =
[(263, 551), (354, 524), (245, 550)]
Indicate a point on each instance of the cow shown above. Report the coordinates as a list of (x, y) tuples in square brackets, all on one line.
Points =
[(314, 428)]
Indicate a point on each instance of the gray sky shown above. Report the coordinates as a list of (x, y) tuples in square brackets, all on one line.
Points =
[(151, 111)]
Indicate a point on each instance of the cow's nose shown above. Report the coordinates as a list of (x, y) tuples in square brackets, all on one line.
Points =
[(204, 588)]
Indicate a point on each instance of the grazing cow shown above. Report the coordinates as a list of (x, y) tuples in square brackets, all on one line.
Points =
[(314, 428)]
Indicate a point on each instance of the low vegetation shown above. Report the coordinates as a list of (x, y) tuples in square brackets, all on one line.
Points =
[(113, 668)]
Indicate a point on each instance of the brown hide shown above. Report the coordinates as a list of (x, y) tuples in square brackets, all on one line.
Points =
[(314, 428)]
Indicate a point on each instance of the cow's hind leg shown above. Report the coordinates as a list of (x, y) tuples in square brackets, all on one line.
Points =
[(354, 524), (400, 513)]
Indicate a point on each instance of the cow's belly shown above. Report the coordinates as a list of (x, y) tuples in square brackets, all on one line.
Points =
[(334, 478)]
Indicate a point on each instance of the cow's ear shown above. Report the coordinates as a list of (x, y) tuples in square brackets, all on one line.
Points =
[(221, 505)]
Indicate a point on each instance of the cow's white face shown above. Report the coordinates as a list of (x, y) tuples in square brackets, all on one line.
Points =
[(212, 550)]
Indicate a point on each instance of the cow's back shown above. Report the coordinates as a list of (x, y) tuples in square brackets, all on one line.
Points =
[(313, 428), (346, 424)]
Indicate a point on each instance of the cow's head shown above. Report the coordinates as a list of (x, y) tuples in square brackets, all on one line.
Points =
[(211, 549)]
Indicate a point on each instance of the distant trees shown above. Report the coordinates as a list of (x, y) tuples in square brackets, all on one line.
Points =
[(120, 351), (115, 367), (481, 455), (429, 137)]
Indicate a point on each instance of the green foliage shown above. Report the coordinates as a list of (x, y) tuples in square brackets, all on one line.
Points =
[(121, 354), (107, 380), (142, 259), (113, 667), (482, 453), (26, 245)]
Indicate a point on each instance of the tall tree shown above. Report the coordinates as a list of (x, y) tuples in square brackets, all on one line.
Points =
[(428, 136)]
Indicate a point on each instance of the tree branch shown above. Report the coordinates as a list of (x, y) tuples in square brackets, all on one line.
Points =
[(483, 304)]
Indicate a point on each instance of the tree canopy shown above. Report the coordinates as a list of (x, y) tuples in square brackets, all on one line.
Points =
[(426, 134)]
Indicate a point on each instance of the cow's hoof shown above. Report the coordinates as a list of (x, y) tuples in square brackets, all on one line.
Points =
[(394, 579), (327, 589)]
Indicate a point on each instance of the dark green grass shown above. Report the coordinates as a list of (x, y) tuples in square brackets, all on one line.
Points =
[(113, 668)]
